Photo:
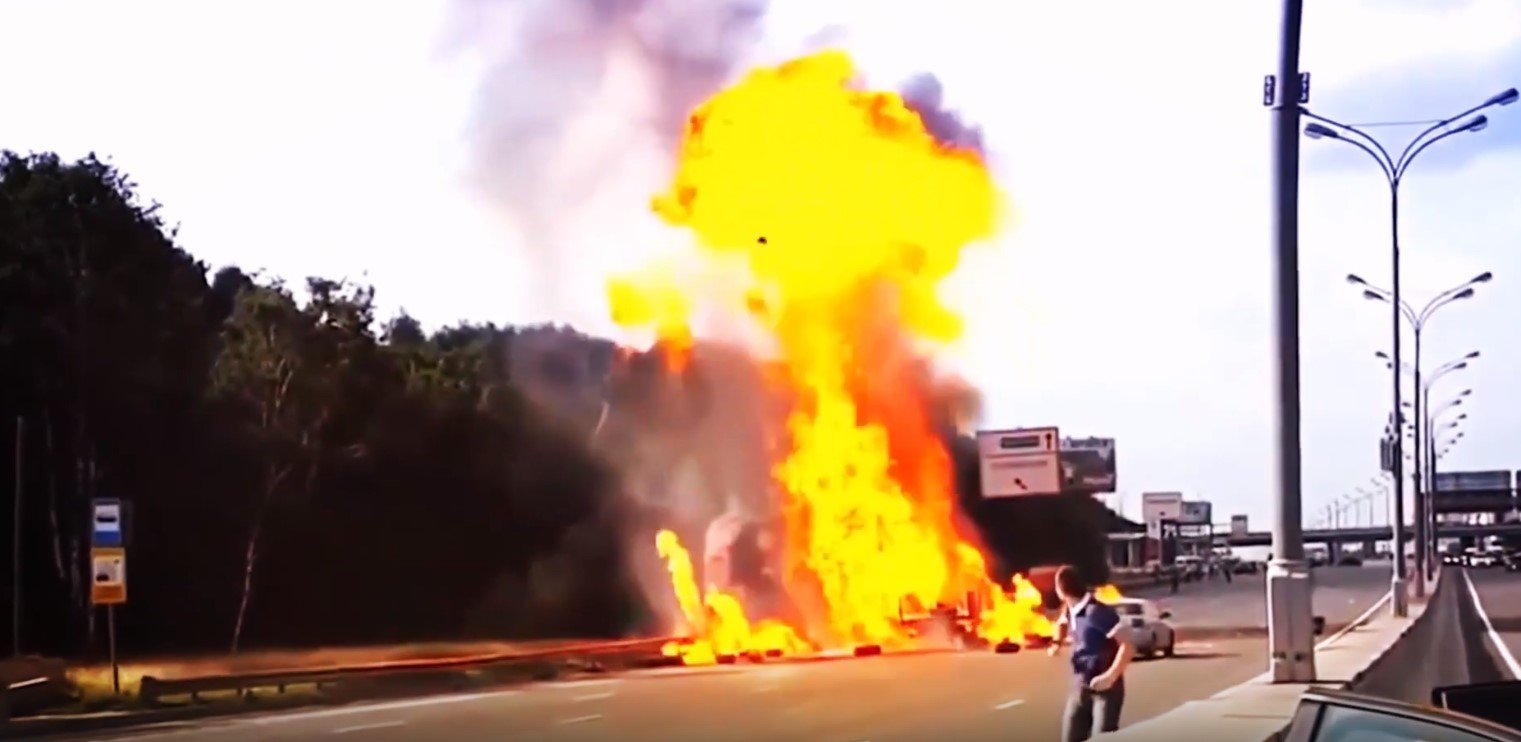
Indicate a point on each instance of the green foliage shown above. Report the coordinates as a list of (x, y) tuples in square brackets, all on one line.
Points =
[(294, 465)]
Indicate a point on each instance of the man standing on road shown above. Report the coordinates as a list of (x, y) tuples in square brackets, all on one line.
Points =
[(1101, 650)]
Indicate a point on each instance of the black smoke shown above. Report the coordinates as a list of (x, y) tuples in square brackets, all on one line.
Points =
[(926, 96)]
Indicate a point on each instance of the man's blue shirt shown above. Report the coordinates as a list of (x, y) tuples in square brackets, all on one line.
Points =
[(1089, 624)]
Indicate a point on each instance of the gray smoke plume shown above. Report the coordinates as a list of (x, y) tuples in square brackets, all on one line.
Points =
[(926, 96), (635, 68)]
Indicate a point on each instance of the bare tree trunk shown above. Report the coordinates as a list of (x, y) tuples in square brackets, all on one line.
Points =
[(48, 463), (272, 480)]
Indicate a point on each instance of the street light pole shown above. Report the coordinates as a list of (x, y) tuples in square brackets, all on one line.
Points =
[(1394, 171), (1291, 636), (1428, 454), (1422, 516)]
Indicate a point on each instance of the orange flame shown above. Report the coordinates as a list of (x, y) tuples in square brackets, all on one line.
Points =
[(847, 214), (717, 621)]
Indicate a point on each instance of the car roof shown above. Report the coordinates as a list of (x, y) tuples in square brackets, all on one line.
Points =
[(1353, 699)]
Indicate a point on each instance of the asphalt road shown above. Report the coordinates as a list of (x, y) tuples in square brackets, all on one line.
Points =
[(1499, 594), (1239, 607), (964, 696)]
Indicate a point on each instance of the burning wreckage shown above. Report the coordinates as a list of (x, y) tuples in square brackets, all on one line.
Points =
[(825, 215)]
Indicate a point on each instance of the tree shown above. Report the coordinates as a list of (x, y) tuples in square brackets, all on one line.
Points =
[(266, 374), (103, 346)]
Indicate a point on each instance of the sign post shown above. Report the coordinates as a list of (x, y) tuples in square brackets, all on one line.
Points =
[(108, 570)]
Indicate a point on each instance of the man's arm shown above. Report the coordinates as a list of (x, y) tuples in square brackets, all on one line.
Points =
[(1061, 633)]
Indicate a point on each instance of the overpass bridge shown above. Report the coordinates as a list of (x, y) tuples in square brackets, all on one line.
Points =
[(1331, 536)]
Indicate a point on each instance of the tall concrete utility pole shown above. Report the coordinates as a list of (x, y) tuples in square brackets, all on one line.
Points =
[(1291, 653)]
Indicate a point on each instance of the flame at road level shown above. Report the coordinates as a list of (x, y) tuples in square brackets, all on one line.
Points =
[(716, 621)]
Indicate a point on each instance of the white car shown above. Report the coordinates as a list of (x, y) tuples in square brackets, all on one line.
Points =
[(1149, 630)]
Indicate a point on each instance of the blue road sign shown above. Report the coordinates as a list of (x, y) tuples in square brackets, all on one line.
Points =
[(106, 522)]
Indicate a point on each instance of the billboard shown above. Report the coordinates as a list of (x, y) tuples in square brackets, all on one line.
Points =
[(1472, 492), (1472, 481), (1196, 513), (1088, 464), (1024, 461), (1159, 506)]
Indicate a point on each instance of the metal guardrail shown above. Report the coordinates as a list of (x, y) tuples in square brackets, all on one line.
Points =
[(12, 695), (153, 690)]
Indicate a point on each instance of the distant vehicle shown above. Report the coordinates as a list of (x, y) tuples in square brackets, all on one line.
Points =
[(1482, 559), (1351, 561), (1512, 562), (1325, 714), (1149, 631), (1317, 559)]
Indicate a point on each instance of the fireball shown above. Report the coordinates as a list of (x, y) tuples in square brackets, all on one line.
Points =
[(845, 213)]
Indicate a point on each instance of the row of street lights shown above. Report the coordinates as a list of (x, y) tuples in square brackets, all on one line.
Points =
[(1291, 654), (1420, 429), (1394, 170), (1350, 501)]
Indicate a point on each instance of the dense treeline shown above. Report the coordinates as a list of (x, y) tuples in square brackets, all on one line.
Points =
[(300, 471), (362, 485)]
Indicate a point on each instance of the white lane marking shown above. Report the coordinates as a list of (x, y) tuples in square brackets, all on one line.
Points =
[(1009, 704), (579, 684), (595, 696), (580, 719), (368, 708), (1494, 636), (368, 727)]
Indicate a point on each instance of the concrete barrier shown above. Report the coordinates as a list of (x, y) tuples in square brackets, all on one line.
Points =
[(1445, 647), (1371, 655)]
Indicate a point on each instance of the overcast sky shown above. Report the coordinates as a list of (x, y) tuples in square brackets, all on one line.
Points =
[(1129, 297)]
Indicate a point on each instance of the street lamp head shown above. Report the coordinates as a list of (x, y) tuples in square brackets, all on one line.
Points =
[(1482, 277), (1356, 280), (1477, 123), (1504, 99), (1464, 294), (1318, 131), (1472, 354), (1381, 354), (1464, 393), (1374, 295), (1460, 365)]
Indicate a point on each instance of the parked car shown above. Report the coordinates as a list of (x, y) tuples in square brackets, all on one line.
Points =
[(1458, 714), (1150, 632)]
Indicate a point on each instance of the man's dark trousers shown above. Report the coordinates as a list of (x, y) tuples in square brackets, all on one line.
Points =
[(1086, 706)]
